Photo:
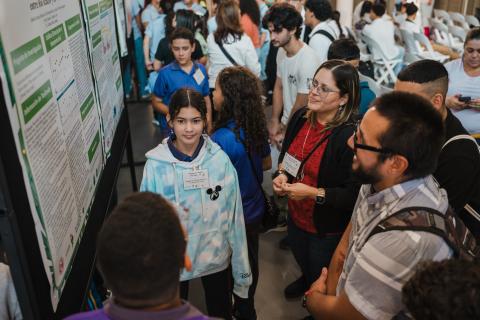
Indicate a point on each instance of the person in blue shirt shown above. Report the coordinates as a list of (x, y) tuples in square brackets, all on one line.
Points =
[(182, 73), (241, 131), (347, 50)]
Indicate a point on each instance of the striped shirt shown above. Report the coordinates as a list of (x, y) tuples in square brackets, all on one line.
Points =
[(376, 269)]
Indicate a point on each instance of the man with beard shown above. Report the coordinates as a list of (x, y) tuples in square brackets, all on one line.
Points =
[(296, 65), (396, 150)]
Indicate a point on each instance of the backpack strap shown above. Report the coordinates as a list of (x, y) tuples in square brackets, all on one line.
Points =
[(447, 226), (461, 137), (468, 208), (323, 33)]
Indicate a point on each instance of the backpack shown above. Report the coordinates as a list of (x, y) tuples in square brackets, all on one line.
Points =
[(447, 226), (323, 33)]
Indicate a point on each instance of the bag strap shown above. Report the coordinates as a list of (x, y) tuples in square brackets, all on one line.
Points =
[(447, 226), (252, 166), (319, 143), (323, 33), (225, 52), (468, 208), (461, 137)]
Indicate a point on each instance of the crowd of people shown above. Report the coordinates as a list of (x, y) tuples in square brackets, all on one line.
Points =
[(383, 192)]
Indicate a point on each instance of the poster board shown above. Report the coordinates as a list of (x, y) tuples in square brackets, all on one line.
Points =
[(121, 27), (61, 111), (102, 42)]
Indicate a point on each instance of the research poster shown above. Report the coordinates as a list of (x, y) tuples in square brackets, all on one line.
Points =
[(121, 27), (56, 121), (102, 40)]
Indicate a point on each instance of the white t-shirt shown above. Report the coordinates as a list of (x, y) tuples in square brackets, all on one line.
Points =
[(382, 31), (410, 26), (462, 83), (356, 13), (242, 51), (319, 42), (197, 8), (296, 74)]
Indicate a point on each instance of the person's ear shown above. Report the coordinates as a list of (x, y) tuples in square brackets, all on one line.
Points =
[(438, 100), (398, 164), (169, 120), (193, 46), (343, 100)]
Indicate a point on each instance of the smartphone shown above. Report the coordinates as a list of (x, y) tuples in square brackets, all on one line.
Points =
[(464, 99)]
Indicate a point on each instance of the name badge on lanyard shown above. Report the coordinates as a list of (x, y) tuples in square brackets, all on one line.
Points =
[(195, 179), (291, 164)]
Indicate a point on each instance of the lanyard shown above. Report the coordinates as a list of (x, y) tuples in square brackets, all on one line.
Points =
[(304, 161)]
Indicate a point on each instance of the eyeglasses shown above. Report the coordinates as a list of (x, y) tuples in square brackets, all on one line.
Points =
[(357, 145), (321, 89)]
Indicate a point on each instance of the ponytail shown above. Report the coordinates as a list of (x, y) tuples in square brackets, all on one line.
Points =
[(336, 17)]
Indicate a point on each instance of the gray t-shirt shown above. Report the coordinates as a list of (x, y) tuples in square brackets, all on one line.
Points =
[(9, 308), (376, 270)]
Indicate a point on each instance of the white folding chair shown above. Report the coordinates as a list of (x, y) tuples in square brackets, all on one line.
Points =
[(459, 19), (472, 21), (428, 52), (383, 66), (458, 32), (440, 32), (443, 16), (409, 42), (443, 35), (374, 86)]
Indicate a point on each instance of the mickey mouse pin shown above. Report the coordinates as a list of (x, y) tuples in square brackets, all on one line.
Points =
[(214, 193)]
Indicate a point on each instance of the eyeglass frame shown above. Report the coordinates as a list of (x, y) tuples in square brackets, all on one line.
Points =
[(319, 89), (356, 145)]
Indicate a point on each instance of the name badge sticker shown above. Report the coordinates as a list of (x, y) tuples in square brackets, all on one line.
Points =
[(291, 164), (195, 179), (198, 76)]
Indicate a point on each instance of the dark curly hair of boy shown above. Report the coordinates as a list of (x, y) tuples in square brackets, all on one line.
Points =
[(444, 290)]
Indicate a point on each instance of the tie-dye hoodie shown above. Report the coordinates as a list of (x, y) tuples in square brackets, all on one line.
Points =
[(216, 229)]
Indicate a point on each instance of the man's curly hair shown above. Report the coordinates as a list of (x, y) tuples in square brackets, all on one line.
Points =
[(242, 102), (449, 289)]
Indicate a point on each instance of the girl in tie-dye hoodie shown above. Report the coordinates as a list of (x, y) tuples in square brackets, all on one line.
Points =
[(193, 172)]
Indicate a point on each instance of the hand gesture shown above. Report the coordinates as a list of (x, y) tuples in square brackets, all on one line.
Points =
[(453, 103), (278, 184), (299, 191)]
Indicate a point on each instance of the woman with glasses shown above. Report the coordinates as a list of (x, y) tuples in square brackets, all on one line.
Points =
[(314, 170), (463, 96)]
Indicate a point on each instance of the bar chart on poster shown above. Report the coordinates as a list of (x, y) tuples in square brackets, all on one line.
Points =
[(64, 101)]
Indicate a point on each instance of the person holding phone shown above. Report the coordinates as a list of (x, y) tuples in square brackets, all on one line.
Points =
[(463, 96)]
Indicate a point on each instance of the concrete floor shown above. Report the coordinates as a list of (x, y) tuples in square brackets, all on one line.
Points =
[(277, 267)]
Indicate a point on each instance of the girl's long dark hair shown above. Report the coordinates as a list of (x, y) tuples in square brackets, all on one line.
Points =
[(243, 102), (251, 9)]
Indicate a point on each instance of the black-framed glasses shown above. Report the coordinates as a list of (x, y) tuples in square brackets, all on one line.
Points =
[(357, 145)]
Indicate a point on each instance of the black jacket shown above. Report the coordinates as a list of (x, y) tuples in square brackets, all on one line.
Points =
[(341, 189), (458, 172)]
